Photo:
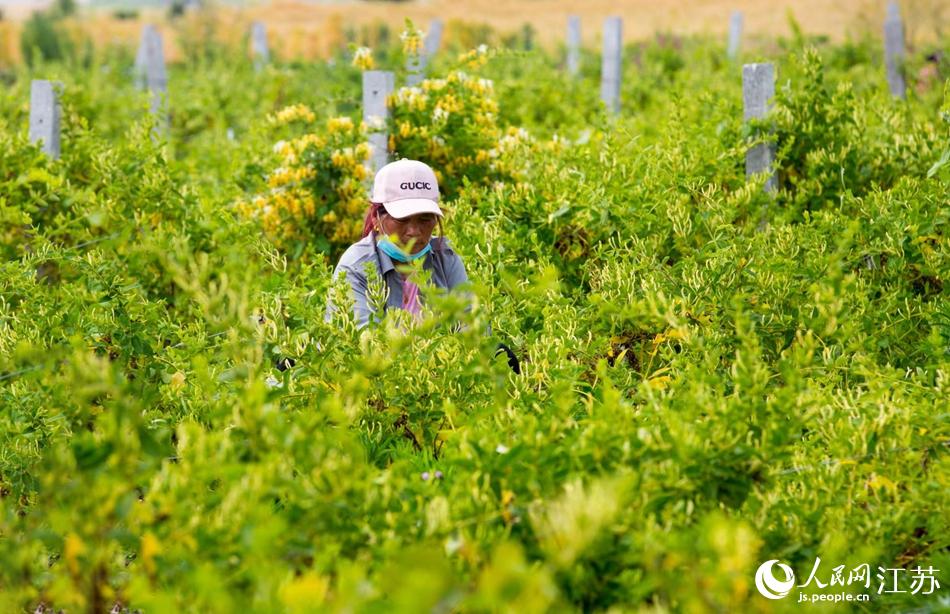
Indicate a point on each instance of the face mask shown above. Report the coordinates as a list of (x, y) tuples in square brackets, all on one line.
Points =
[(391, 250)]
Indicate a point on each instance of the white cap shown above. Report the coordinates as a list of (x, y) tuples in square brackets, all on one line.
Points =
[(407, 187)]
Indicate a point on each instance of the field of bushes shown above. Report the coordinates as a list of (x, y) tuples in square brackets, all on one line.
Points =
[(711, 376)]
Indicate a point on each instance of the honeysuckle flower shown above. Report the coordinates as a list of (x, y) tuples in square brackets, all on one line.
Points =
[(433, 85), (412, 41), (297, 112), (339, 124), (453, 545), (375, 122), (178, 381), (363, 58)]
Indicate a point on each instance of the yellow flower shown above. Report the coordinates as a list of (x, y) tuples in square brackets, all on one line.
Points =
[(880, 482), (297, 112), (304, 593), (480, 86), (411, 40), (72, 550), (284, 149), (178, 381), (354, 205), (280, 176), (339, 124), (293, 206), (489, 105), (433, 85), (475, 58), (440, 114), (307, 140), (346, 159), (436, 146), (150, 549), (450, 103), (363, 58)]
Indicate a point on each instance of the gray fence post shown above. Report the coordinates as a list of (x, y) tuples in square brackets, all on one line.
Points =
[(573, 45), (259, 48), (140, 56), (735, 35), (377, 86), (44, 116), (433, 38), (150, 71), (610, 63), (894, 50), (758, 88), (416, 67)]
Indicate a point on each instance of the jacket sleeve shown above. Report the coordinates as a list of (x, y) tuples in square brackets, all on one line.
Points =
[(456, 271), (455, 275), (357, 283)]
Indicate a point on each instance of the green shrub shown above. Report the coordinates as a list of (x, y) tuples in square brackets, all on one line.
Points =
[(41, 40), (699, 393)]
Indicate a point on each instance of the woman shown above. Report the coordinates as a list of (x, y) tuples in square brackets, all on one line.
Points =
[(397, 230)]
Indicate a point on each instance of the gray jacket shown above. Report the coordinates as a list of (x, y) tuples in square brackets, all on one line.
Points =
[(447, 271)]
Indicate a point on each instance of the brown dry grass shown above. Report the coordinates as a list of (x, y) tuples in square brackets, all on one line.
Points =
[(309, 30), (8, 43), (642, 18)]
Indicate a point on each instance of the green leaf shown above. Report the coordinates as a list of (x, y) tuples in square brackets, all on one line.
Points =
[(939, 164)]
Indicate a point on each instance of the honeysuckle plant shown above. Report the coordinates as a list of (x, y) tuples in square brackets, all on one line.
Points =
[(699, 393)]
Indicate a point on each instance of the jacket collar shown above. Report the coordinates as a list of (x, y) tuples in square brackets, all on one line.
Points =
[(385, 262)]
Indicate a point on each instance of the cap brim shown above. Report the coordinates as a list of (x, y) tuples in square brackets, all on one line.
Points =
[(412, 206)]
